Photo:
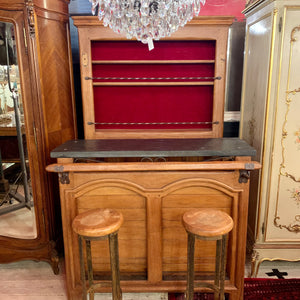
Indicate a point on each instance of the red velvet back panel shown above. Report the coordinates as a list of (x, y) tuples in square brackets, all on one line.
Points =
[(145, 103), (153, 104), (163, 50)]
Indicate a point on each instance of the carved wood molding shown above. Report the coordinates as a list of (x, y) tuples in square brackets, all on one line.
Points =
[(30, 16)]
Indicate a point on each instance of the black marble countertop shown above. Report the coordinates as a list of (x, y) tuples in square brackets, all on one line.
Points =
[(153, 148)]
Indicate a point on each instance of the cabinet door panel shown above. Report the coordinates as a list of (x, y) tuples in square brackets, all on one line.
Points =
[(258, 47), (284, 199)]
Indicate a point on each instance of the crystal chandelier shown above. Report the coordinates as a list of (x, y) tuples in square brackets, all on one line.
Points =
[(146, 20)]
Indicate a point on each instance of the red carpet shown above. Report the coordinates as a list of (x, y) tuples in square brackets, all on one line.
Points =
[(271, 289), (260, 289)]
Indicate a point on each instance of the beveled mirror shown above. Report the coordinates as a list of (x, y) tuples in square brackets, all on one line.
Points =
[(17, 214)]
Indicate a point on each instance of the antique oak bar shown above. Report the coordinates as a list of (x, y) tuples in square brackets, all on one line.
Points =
[(152, 183)]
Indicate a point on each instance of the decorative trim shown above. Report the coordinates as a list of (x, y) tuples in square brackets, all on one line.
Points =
[(295, 194), (30, 16), (294, 226), (293, 39), (288, 102), (256, 261)]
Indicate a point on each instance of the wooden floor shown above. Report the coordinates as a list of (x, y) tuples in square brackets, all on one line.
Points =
[(28, 280)]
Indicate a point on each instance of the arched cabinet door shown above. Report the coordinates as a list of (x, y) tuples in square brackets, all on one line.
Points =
[(29, 201)]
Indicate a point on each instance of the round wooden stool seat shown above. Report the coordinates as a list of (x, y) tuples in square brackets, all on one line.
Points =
[(207, 222), (97, 222)]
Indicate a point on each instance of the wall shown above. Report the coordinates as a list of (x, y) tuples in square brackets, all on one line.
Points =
[(224, 7), (212, 8)]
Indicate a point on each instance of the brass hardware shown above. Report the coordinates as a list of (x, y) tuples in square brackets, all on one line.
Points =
[(84, 59), (244, 176), (64, 177)]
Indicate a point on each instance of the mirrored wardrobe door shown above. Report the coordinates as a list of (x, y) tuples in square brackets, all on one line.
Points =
[(17, 213), (37, 113)]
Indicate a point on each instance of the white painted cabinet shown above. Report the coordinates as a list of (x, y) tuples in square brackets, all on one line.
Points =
[(270, 121)]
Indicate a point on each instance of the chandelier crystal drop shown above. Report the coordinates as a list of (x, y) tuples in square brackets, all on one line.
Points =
[(146, 20)]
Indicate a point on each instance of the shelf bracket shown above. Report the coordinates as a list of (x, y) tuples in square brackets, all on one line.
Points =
[(245, 173), (64, 177)]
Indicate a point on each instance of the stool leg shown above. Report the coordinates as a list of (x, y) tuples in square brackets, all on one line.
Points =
[(90, 268), (82, 268), (218, 267), (114, 262), (189, 295), (223, 265)]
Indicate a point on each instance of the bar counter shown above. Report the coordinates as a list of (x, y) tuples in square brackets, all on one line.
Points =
[(152, 183)]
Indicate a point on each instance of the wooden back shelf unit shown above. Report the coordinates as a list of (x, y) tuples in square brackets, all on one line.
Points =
[(174, 91)]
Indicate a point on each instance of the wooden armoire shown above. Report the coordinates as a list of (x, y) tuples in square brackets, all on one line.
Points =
[(270, 123), (41, 42)]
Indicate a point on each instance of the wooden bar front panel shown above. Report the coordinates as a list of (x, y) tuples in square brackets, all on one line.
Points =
[(152, 241)]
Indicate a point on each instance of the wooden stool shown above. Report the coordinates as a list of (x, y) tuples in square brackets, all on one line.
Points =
[(94, 225), (208, 225)]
